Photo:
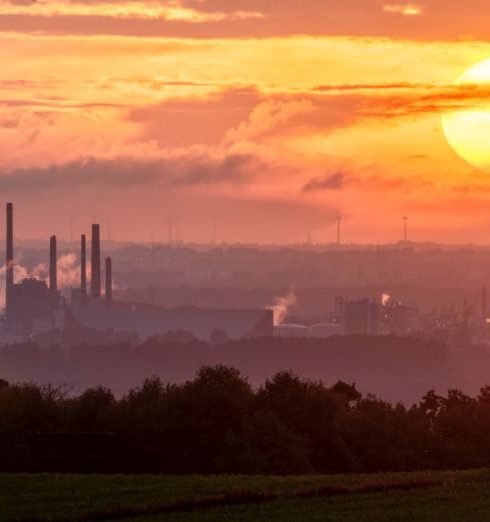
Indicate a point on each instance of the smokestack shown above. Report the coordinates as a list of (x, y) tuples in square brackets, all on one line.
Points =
[(95, 287), (10, 256), (108, 280), (53, 259), (83, 266)]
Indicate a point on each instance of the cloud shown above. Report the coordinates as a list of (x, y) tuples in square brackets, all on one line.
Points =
[(178, 171), (266, 117), (442, 19), (394, 100), (122, 9), (9, 122), (436, 99), (404, 9), (234, 115), (59, 104), (203, 120), (333, 181), (352, 87)]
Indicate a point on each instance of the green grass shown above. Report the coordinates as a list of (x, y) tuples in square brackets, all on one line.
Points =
[(441, 496)]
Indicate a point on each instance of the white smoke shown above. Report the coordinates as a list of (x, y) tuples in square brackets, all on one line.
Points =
[(385, 298), (68, 273), (281, 307)]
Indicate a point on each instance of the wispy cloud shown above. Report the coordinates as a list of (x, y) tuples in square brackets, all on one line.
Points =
[(177, 171), (123, 9), (352, 87), (404, 9), (333, 181)]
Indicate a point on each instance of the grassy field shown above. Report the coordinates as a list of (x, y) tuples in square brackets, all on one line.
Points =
[(446, 496)]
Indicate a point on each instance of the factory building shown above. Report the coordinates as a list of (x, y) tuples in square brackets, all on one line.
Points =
[(33, 306), (292, 331), (148, 320), (103, 312), (361, 317)]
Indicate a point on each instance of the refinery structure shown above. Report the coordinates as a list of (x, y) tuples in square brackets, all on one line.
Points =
[(93, 312), (34, 306)]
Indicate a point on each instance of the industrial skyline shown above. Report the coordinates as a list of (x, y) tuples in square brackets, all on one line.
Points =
[(34, 306)]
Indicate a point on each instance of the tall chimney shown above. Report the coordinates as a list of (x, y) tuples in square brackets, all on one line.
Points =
[(53, 259), (10, 257), (83, 266), (108, 280), (95, 287)]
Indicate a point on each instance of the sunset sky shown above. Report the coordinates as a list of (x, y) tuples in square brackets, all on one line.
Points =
[(270, 115)]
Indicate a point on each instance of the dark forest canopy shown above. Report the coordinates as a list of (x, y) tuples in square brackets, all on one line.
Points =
[(218, 423)]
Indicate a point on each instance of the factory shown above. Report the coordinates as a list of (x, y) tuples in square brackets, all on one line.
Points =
[(351, 318), (31, 306), (34, 306)]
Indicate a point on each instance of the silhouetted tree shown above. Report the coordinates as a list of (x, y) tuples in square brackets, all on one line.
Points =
[(217, 423)]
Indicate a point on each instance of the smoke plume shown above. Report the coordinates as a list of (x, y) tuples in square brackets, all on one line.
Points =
[(68, 273), (281, 307)]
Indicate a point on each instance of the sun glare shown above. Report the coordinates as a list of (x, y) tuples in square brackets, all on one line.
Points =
[(467, 129)]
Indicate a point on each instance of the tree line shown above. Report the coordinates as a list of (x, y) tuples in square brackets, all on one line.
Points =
[(218, 423)]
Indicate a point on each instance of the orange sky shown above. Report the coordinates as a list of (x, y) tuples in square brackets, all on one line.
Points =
[(269, 115)]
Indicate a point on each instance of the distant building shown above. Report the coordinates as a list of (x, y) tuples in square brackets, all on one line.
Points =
[(103, 313), (31, 306), (295, 331), (401, 320), (34, 308), (146, 320), (318, 331), (361, 317)]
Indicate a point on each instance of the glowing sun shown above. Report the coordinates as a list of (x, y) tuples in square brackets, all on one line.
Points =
[(468, 130)]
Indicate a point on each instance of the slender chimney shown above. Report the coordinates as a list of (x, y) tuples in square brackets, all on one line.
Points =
[(95, 287), (53, 259), (10, 257), (108, 280), (83, 266)]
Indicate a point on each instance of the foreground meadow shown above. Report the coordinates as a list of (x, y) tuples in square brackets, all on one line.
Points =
[(444, 496)]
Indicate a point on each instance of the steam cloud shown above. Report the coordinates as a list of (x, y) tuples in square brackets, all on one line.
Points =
[(68, 273), (281, 307)]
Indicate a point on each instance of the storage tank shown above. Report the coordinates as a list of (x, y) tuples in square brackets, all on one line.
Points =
[(291, 331), (325, 330)]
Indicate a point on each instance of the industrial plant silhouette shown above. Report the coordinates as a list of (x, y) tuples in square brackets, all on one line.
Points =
[(34, 307)]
